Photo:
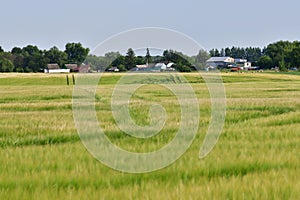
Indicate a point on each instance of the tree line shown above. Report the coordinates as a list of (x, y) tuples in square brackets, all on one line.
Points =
[(183, 63), (282, 54), (32, 59), (252, 54)]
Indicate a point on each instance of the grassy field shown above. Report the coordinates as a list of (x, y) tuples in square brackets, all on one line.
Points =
[(257, 156)]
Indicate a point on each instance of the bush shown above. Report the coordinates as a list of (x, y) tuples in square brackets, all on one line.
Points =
[(19, 70), (183, 68), (28, 70)]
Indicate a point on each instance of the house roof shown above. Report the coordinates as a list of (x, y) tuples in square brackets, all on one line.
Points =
[(161, 65), (240, 60), (141, 66), (71, 66), (217, 59), (52, 66), (170, 64)]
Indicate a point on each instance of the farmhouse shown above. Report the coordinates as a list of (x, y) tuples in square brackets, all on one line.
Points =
[(54, 68)]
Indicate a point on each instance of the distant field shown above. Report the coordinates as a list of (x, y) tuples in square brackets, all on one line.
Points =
[(257, 156)]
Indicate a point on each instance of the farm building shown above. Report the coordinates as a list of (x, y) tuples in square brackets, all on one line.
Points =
[(242, 63), (227, 62), (54, 68), (154, 67), (219, 62), (84, 68), (75, 68), (113, 69), (72, 67)]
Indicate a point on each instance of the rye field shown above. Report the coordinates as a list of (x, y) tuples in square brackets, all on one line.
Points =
[(256, 157)]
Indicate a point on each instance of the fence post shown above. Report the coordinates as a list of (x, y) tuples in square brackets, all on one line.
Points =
[(67, 80), (73, 77)]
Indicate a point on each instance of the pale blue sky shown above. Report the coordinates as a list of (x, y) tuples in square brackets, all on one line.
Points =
[(211, 23)]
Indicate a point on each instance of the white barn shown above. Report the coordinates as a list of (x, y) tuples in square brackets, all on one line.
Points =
[(219, 61)]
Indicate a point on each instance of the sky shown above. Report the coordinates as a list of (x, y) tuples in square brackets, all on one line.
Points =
[(213, 24)]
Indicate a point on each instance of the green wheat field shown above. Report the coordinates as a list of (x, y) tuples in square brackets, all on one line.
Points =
[(256, 157)]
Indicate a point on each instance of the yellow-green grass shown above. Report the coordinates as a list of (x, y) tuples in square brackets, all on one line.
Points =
[(257, 156)]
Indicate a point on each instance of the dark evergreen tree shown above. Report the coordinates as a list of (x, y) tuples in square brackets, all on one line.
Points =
[(148, 57), (130, 59)]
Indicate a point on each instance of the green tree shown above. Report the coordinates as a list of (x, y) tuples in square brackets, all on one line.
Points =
[(54, 55), (253, 54), (139, 60), (182, 62), (96, 62), (1, 50), (76, 53), (282, 65), (278, 51), (233, 52), (34, 59), (167, 55), (227, 51), (130, 59), (122, 68), (265, 62), (294, 57), (240, 53), (111, 56), (148, 57), (217, 53), (16, 51), (18, 62), (183, 68), (222, 53), (212, 53), (18, 59), (6, 65), (201, 58), (121, 60), (31, 50)]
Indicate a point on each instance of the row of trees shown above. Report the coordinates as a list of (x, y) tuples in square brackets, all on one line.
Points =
[(183, 63), (282, 54), (252, 54), (32, 59)]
